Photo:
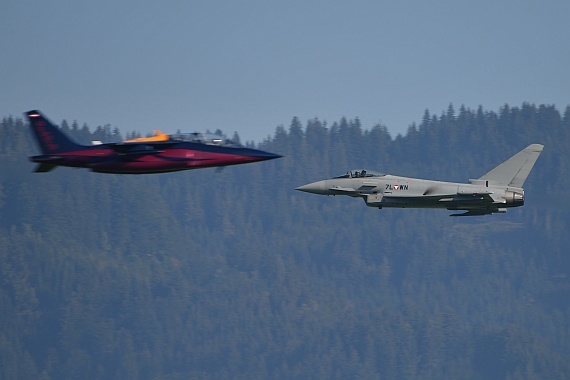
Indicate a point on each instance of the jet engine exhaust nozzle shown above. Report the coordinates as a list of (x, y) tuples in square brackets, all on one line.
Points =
[(514, 198)]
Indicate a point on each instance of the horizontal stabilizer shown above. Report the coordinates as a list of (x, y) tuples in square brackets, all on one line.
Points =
[(44, 168)]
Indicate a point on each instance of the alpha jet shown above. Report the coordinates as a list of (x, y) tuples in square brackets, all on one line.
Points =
[(159, 154), (494, 192)]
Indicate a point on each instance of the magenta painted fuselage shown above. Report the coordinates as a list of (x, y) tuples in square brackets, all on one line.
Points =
[(135, 157)]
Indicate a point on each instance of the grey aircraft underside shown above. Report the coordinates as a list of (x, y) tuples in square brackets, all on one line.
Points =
[(492, 193)]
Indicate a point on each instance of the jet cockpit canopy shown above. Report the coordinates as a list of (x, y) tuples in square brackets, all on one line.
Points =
[(361, 173), (205, 138)]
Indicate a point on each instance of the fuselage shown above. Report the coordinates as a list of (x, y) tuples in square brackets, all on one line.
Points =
[(499, 188), (153, 158), (158, 154), (382, 190)]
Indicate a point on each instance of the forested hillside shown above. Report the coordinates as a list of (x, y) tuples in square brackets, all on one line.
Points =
[(234, 275)]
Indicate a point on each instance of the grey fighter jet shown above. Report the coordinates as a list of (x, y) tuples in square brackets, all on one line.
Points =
[(494, 192)]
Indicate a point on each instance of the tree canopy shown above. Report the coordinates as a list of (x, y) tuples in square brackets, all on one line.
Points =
[(234, 275)]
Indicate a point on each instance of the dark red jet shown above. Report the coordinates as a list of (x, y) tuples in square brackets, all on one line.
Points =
[(179, 152)]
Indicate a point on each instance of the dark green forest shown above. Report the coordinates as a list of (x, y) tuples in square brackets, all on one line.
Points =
[(235, 275)]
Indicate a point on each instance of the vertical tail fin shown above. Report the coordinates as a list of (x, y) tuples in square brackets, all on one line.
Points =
[(49, 137), (514, 171)]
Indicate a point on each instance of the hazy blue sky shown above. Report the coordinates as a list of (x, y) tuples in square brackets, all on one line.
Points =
[(249, 66)]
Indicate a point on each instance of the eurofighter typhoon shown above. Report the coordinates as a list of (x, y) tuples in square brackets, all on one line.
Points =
[(494, 192)]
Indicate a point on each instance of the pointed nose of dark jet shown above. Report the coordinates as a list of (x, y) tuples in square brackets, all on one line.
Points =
[(261, 155), (269, 156)]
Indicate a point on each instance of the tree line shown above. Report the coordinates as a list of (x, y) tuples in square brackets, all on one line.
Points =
[(210, 275)]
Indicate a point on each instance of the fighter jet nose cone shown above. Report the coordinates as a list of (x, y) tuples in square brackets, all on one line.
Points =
[(315, 188), (304, 188), (263, 156)]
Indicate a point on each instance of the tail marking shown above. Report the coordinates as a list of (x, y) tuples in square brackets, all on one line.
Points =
[(49, 137), (43, 134)]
